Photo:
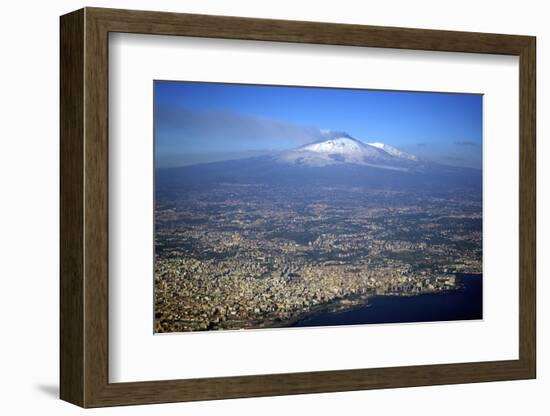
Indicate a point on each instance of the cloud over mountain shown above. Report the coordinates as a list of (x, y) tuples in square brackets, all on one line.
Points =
[(225, 125)]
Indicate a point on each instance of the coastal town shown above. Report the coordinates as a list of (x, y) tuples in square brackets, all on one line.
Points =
[(252, 256)]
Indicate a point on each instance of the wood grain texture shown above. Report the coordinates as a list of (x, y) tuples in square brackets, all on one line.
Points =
[(84, 207), (96, 208), (162, 23), (527, 208), (71, 158)]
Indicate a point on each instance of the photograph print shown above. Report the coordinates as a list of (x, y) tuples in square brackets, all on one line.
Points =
[(286, 206)]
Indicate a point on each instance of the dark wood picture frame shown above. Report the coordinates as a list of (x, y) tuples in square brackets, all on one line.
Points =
[(84, 207)]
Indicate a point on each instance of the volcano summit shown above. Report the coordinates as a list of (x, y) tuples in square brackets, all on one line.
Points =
[(338, 160), (345, 149)]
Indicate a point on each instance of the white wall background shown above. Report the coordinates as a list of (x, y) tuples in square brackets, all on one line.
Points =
[(29, 206)]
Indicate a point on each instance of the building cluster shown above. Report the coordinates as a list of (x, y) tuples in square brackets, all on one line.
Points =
[(195, 295), (241, 258)]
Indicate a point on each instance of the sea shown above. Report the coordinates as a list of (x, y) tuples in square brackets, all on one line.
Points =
[(465, 303)]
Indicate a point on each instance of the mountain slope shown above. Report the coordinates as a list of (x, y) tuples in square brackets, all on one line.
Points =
[(337, 161), (343, 148), (394, 151)]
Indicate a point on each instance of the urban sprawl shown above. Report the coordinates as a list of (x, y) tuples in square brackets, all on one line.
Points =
[(254, 256)]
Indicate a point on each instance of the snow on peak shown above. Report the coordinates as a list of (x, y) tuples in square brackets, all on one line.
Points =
[(341, 148), (393, 151), (339, 145), (327, 134)]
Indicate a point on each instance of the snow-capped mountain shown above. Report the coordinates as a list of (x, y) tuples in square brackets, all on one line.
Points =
[(394, 151), (342, 148), (337, 160)]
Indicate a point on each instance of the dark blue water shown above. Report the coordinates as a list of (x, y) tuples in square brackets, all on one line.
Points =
[(462, 304)]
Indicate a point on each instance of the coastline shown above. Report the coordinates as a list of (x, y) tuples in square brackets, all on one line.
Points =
[(361, 303), (331, 307), (302, 321)]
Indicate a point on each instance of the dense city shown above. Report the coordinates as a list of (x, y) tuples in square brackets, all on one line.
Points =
[(252, 256)]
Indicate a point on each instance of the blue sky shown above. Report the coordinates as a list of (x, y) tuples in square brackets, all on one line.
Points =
[(203, 122)]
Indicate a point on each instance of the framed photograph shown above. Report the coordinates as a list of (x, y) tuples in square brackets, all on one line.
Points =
[(255, 207)]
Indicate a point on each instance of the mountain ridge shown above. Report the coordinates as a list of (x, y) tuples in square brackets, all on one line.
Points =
[(341, 162), (343, 148)]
